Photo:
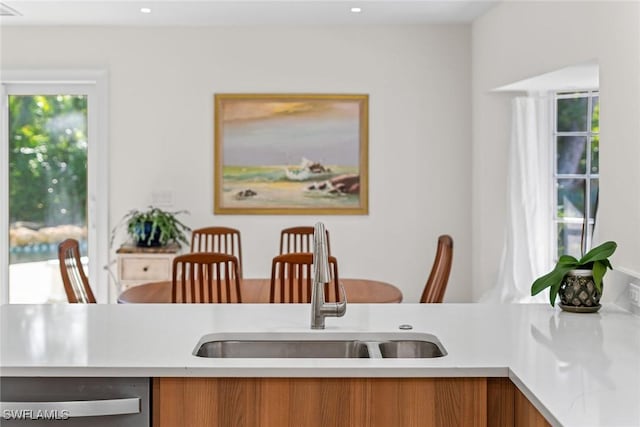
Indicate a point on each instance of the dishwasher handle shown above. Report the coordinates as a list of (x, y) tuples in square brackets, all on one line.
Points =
[(69, 409)]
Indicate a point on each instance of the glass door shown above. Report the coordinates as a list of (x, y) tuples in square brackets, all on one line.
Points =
[(49, 189), (48, 144)]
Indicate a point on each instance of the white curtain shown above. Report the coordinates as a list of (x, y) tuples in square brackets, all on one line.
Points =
[(529, 226)]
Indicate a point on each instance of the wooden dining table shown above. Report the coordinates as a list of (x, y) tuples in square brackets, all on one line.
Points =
[(256, 291)]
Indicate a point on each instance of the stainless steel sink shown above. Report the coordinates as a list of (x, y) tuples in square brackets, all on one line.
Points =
[(284, 349), (330, 345), (410, 349)]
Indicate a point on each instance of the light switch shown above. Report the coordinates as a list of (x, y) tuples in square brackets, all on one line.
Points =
[(162, 198)]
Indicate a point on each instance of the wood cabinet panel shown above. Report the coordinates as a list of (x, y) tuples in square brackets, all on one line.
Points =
[(322, 402), (508, 407), (405, 402), (526, 415), (461, 401), (500, 402), (328, 402)]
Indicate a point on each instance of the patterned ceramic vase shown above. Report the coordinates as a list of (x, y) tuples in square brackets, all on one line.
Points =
[(578, 292)]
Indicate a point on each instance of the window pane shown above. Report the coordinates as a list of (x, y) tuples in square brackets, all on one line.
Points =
[(569, 238), (595, 186), (571, 198), (572, 154), (572, 115), (595, 115), (47, 191), (595, 154)]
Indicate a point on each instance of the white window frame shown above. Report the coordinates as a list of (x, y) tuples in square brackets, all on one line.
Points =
[(587, 176), (86, 82)]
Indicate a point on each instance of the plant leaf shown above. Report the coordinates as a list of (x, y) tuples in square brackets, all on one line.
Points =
[(552, 278), (597, 258), (164, 223), (567, 259), (599, 268), (599, 253), (553, 293)]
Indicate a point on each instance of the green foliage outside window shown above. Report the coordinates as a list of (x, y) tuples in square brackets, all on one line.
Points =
[(577, 168), (48, 159)]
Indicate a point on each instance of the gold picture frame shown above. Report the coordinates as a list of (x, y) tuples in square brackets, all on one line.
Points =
[(291, 154)]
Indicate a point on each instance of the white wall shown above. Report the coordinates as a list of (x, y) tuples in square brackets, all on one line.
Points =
[(517, 40), (162, 83)]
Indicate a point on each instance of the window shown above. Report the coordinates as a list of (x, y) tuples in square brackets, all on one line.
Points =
[(576, 171)]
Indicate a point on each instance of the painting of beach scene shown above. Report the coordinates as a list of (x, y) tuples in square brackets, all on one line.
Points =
[(291, 154)]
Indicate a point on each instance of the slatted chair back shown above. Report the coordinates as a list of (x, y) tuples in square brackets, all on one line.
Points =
[(205, 277), (292, 278), (299, 239), (218, 239), (76, 284)]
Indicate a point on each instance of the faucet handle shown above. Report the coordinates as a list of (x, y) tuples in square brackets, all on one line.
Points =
[(343, 294), (341, 305)]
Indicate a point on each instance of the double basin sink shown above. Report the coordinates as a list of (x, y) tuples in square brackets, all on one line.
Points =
[(312, 345)]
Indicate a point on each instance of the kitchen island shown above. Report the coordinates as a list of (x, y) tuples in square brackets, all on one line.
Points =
[(575, 369)]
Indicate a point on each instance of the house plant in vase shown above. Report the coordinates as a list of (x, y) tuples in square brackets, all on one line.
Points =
[(155, 227), (578, 282)]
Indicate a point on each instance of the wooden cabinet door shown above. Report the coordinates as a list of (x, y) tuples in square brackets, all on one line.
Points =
[(508, 407), (319, 402)]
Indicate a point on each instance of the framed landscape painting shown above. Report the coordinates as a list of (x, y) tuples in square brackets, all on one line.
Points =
[(291, 154)]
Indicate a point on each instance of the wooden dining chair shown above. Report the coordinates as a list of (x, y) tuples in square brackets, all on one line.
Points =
[(218, 239), (205, 277), (439, 277), (292, 277), (299, 239), (76, 284)]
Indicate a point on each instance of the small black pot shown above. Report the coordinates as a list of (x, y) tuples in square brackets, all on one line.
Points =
[(149, 240), (578, 292)]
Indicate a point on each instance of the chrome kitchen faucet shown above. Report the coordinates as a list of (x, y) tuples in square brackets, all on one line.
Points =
[(322, 275)]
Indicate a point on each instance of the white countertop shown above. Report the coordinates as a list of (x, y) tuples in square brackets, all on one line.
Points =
[(577, 369)]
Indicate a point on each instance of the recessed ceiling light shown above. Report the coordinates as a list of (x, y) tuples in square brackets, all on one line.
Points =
[(356, 10), (145, 10)]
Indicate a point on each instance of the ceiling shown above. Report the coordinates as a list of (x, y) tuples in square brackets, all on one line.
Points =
[(238, 12)]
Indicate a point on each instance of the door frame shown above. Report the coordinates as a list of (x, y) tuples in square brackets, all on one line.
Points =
[(95, 84)]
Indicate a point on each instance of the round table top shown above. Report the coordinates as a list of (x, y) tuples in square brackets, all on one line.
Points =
[(256, 291)]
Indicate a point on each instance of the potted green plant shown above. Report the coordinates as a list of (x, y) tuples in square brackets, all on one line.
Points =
[(578, 282), (155, 227)]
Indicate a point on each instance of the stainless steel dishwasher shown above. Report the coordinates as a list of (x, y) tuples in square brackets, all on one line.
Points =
[(67, 401)]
